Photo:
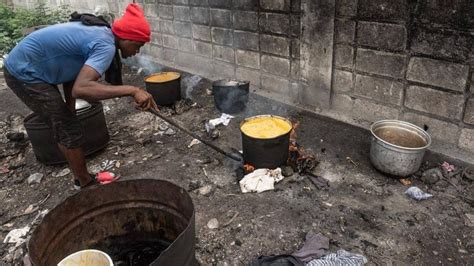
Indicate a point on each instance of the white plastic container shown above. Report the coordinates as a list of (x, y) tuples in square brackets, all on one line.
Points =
[(87, 257)]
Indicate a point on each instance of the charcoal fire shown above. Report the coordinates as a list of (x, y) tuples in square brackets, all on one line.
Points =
[(300, 160)]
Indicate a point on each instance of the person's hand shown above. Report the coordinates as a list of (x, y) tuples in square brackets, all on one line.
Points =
[(144, 101)]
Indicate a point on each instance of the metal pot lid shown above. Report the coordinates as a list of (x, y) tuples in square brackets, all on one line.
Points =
[(82, 105), (229, 82)]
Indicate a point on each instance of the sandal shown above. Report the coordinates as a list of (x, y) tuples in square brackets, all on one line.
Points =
[(102, 178)]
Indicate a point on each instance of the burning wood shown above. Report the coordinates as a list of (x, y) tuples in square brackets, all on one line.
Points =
[(248, 168), (300, 160)]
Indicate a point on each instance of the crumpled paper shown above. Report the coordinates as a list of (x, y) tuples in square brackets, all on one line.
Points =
[(260, 180), (418, 194), (224, 119)]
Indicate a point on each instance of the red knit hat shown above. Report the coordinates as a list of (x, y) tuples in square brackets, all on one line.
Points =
[(133, 25)]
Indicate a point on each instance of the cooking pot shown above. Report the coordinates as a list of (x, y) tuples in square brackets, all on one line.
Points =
[(398, 147), (230, 96), (266, 152), (165, 87)]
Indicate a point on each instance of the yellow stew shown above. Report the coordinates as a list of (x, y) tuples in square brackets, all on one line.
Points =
[(162, 77), (266, 127)]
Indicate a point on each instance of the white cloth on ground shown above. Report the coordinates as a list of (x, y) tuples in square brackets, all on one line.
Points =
[(341, 258)]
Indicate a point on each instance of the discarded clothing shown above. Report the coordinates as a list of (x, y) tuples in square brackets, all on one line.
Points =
[(279, 260), (224, 119), (260, 180), (319, 181), (17, 236), (418, 194), (341, 258), (314, 247)]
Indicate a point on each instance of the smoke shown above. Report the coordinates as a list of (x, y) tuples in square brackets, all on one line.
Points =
[(188, 83), (146, 65)]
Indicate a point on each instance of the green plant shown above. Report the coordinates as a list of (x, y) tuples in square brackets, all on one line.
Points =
[(13, 22)]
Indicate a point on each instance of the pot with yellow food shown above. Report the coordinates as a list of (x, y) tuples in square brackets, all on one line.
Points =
[(265, 140), (165, 87)]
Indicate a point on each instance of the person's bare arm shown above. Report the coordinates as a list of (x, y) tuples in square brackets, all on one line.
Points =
[(86, 87)]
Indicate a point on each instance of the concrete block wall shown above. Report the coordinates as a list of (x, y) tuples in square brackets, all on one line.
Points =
[(408, 60)]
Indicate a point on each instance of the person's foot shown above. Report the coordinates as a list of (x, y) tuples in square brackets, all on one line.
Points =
[(99, 178), (78, 186)]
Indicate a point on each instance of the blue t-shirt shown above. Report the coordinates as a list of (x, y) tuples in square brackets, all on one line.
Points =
[(57, 53)]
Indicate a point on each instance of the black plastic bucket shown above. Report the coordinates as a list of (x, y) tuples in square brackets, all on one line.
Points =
[(45, 147), (265, 152), (122, 214), (230, 96), (165, 92)]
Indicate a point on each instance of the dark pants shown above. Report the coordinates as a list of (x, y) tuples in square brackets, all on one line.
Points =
[(46, 102)]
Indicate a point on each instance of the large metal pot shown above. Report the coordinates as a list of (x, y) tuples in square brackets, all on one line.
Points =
[(165, 91), (398, 147), (230, 96), (266, 152), (96, 137), (116, 219)]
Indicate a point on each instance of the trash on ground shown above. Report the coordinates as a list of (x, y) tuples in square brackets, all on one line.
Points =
[(286, 260), (35, 178), (341, 257), (213, 224), (16, 236), (224, 119), (231, 219), (107, 165), (314, 247), (431, 176), (448, 167), (418, 194), (62, 173), (470, 220), (406, 181), (260, 180), (318, 181), (194, 142), (205, 190)]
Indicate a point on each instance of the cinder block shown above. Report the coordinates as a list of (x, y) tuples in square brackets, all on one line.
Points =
[(200, 15), (223, 70), (203, 48), (223, 53), (202, 33), (170, 41), (167, 26), (438, 73), (344, 31), (466, 140), (344, 56), (198, 2), (439, 130), (150, 10), (245, 20), (156, 38), (245, 4), (165, 1), (342, 103), (274, 23), (181, 2), (274, 84), (277, 5), (296, 6), (221, 18), (295, 71), (295, 25), (381, 63), (275, 65), (181, 13), (170, 54), (384, 36), (185, 45), (221, 3), (246, 40), (469, 112), (435, 102), (275, 45), (247, 58), (165, 11), (393, 10), (342, 81), (251, 75), (446, 44), (183, 29), (346, 8), (222, 36), (371, 112), (379, 89), (295, 48)]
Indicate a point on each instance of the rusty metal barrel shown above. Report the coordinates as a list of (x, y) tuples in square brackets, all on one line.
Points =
[(143, 213)]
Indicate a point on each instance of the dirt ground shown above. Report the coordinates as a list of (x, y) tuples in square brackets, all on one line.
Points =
[(362, 211)]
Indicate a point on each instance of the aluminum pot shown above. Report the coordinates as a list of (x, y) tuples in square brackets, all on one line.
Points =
[(398, 147), (265, 153), (230, 96), (165, 92)]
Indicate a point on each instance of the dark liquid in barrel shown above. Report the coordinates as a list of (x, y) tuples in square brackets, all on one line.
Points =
[(400, 137), (133, 253)]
